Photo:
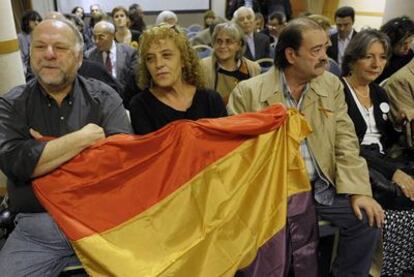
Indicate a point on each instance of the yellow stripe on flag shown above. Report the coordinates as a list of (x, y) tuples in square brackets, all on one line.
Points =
[(215, 223)]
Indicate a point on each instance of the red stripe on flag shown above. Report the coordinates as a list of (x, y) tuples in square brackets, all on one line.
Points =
[(116, 180)]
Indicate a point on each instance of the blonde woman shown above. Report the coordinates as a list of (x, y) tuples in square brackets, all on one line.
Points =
[(171, 79)]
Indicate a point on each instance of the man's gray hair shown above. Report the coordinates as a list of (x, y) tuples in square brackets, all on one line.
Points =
[(106, 25), (164, 16), (243, 8)]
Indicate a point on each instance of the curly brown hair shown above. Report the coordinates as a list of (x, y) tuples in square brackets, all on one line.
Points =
[(191, 72)]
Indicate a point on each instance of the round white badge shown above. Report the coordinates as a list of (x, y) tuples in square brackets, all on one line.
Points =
[(384, 107)]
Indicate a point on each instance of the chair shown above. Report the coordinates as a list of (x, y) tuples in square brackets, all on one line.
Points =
[(326, 229), (203, 50), (191, 34), (73, 271), (195, 28), (265, 64)]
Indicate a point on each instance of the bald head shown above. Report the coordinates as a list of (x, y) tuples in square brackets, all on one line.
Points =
[(55, 55), (104, 33), (104, 27), (61, 24)]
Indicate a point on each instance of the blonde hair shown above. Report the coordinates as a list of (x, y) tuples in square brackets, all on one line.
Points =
[(323, 21), (191, 71)]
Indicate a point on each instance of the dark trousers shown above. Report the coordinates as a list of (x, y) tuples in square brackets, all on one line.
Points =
[(357, 240)]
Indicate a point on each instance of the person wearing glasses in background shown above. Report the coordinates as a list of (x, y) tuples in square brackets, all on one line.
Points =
[(227, 66)]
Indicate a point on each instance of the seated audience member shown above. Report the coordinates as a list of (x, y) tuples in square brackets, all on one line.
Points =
[(204, 36), (167, 17), (259, 22), (275, 24), (400, 90), (95, 8), (344, 20), (79, 12), (122, 32), (119, 59), (227, 66), (57, 103), (136, 15), (338, 175), (400, 30), (323, 21), (171, 77), (208, 18), (233, 5), (96, 15), (368, 107), (30, 19), (81, 27), (257, 44)]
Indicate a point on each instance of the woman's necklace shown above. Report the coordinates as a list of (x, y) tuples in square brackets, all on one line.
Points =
[(363, 95)]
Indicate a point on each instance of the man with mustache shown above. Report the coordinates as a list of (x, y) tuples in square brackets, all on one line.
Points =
[(339, 176), (57, 103)]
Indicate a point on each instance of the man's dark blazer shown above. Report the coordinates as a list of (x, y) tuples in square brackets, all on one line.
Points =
[(332, 50), (126, 64), (261, 45)]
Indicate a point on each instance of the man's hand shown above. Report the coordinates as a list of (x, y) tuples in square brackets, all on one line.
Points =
[(62, 149), (92, 133), (371, 207), (405, 182)]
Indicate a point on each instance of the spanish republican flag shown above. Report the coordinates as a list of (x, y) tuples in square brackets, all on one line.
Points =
[(195, 198)]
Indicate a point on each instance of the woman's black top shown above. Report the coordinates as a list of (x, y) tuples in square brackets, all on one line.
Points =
[(149, 114)]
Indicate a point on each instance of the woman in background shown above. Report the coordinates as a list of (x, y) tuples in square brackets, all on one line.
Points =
[(227, 66), (30, 19), (122, 32), (400, 31), (208, 18), (364, 60), (79, 12), (171, 79)]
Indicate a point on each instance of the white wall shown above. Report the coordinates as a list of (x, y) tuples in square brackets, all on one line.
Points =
[(367, 12), (394, 8), (185, 19)]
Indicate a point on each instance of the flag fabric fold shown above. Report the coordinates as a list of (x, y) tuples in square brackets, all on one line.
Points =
[(195, 198)]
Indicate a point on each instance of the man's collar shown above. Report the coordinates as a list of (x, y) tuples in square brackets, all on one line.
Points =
[(249, 35), (70, 96), (349, 37)]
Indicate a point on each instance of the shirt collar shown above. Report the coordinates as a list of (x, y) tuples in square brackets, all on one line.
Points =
[(71, 95), (288, 94), (349, 37), (249, 36), (112, 50)]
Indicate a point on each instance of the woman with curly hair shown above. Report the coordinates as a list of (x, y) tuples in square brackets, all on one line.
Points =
[(170, 76)]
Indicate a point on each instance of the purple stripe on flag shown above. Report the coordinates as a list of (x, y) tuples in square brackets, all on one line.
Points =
[(295, 245)]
